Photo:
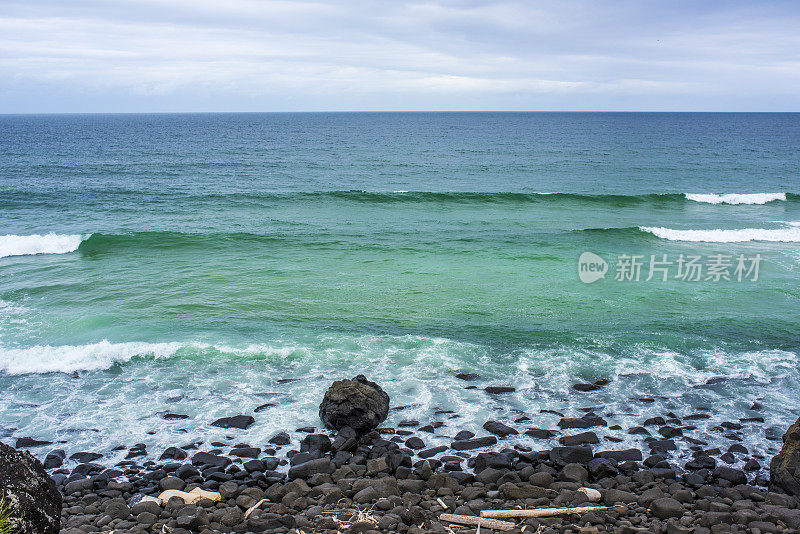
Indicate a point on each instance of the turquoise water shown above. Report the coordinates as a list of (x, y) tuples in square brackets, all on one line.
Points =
[(209, 264)]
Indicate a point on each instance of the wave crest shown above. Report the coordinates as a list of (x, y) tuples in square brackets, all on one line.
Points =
[(784, 235), (26, 245), (736, 198)]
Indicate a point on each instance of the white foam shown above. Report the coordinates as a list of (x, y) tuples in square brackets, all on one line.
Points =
[(70, 358), (785, 235), (736, 198), (24, 245)]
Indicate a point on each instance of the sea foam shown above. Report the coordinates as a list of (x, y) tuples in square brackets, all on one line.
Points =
[(785, 235), (736, 198), (24, 245)]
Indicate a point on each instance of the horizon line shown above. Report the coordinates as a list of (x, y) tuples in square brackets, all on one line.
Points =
[(196, 112)]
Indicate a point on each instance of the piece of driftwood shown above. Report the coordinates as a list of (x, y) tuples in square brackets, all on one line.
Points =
[(540, 512), (479, 521), (189, 497), (252, 508)]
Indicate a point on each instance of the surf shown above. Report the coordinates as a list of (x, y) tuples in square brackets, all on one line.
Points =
[(29, 245)]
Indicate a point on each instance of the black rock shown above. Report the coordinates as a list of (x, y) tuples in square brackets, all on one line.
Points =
[(281, 438), (346, 440), (474, 443), (312, 467), (499, 429), (539, 433), (584, 438), (246, 452), (173, 453), (621, 456), (433, 451), (358, 403), (415, 443), (36, 500), (174, 416), (55, 459), (784, 470), (28, 442), (205, 458), (579, 454), (494, 390), (464, 434), (587, 421), (316, 444), (85, 457), (734, 476), (237, 421), (467, 376)]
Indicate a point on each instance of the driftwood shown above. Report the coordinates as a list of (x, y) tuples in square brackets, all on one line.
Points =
[(479, 521), (189, 497), (252, 508), (540, 512)]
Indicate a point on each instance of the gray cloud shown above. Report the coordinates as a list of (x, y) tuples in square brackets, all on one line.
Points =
[(279, 55)]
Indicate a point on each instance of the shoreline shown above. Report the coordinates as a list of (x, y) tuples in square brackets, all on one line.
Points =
[(396, 478)]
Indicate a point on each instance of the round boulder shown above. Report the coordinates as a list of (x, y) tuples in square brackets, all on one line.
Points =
[(784, 470), (32, 494), (358, 403)]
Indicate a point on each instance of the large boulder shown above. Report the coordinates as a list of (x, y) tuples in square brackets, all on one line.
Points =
[(784, 470), (32, 494), (358, 403)]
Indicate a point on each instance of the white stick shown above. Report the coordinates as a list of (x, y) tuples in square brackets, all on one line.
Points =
[(540, 512), (479, 521)]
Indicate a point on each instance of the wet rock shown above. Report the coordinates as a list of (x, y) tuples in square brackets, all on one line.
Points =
[(584, 438), (281, 438), (28, 442), (499, 429), (784, 469), (358, 403), (579, 454), (237, 421), (497, 390), (33, 495), (621, 456), (586, 421), (467, 376), (539, 433), (311, 467), (173, 453), (433, 451), (55, 459), (246, 452), (208, 459), (666, 507), (474, 443), (85, 457), (734, 476), (415, 443)]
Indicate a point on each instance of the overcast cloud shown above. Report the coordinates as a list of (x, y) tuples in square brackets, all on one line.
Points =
[(252, 55)]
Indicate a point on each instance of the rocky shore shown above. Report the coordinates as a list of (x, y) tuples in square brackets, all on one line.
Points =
[(393, 480)]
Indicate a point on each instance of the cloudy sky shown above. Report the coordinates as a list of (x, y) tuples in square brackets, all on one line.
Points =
[(263, 55)]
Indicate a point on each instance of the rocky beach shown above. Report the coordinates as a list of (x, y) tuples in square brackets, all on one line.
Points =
[(351, 475)]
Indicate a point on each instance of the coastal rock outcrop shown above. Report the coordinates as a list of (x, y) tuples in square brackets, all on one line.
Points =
[(785, 467), (34, 498), (358, 403)]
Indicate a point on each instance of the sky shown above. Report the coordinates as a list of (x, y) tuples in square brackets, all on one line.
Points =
[(348, 55)]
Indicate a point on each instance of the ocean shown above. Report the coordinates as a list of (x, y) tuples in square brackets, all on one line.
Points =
[(210, 264)]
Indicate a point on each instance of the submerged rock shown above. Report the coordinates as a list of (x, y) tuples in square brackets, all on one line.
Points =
[(784, 470), (358, 403), (32, 493)]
